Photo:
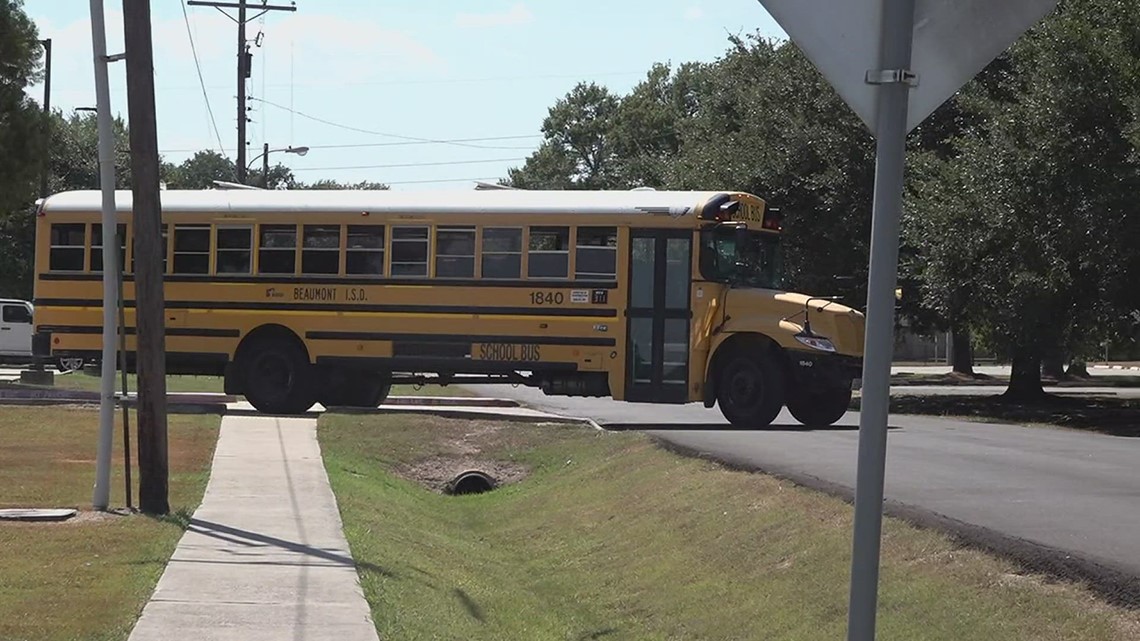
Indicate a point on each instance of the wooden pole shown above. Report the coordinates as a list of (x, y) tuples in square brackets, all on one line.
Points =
[(150, 343)]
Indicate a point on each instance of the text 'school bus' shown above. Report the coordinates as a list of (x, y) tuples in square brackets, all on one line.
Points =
[(299, 297)]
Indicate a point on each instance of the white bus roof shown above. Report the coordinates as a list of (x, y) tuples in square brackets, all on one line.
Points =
[(675, 203)]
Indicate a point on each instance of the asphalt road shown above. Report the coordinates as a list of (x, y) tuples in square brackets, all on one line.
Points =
[(1075, 492)]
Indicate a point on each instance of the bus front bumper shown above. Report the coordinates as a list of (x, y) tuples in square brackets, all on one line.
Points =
[(815, 368)]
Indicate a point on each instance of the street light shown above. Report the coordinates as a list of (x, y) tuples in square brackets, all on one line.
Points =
[(264, 156)]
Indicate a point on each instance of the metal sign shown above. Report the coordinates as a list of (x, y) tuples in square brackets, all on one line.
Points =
[(953, 41)]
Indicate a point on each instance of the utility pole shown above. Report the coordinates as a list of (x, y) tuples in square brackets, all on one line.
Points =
[(47, 119), (150, 342), (244, 62)]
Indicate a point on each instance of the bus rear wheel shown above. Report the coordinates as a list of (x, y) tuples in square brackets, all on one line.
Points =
[(821, 406), (278, 378), (750, 389)]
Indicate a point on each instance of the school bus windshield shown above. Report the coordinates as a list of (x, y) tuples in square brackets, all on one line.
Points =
[(742, 258)]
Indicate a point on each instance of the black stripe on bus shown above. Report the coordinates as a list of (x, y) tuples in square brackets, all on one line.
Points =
[(456, 338), (348, 307), (200, 332), (450, 365), (270, 279)]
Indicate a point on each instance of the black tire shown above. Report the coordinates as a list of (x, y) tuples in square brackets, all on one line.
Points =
[(278, 377), (821, 406), (750, 389), (343, 388)]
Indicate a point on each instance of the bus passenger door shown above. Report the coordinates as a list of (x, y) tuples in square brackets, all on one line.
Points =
[(658, 316)]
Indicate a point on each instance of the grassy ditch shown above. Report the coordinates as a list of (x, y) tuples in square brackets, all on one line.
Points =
[(87, 578), (606, 536)]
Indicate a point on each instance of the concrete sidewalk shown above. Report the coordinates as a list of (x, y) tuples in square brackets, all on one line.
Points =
[(265, 556)]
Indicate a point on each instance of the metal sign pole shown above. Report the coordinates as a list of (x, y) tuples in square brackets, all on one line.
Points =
[(895, 80), (101, 495)]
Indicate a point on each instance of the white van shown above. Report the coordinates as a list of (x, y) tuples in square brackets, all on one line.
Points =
[(15, 330)]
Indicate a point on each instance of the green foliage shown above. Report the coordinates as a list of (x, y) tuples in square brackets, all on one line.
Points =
[(73, 161), (21, 145), (1029, 230), (201, 170), (324, 184)]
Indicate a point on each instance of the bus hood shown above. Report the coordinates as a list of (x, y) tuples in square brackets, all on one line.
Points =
[(781, 315)]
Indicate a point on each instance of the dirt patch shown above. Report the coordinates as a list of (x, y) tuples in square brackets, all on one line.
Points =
[(435, 473), (460, 451)]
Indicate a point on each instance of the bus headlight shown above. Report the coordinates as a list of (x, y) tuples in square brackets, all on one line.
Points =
[(816, 342)]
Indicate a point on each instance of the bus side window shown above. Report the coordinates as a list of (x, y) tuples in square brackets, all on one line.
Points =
[(68, 244), (277, 253), (502, 252), (549, 255), (320, 249), (191, 249), (596, 253), (410, 251), (365, 250), (455, 252), (234, 248)]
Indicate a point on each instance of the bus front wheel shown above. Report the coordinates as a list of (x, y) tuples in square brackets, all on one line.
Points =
[(278, 378), (821, 406), (750, 389)]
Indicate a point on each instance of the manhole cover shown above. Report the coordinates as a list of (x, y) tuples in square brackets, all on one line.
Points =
[(36, 514)]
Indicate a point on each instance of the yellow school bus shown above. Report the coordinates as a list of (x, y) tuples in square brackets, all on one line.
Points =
[(298, 297)]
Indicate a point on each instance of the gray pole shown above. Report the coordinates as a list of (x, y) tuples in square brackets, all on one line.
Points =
[(897, 37), (101, 497), (265, 166)]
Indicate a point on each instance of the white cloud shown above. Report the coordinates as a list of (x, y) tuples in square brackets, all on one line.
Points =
[(516, 15), (694, 13)]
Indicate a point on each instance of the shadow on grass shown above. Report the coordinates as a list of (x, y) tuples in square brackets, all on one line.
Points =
[(470, 605), (1106, 415)]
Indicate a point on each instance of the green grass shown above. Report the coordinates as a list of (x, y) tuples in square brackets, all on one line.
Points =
[(612, 538), (87, 578)]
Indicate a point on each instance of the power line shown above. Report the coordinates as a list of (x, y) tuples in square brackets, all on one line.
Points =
[(371, 132), (417, 142), (201, 80), (412, 164), (443, 180), (398, 144)]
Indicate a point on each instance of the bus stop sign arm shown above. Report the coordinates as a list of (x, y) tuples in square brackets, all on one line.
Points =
[(893, 62)]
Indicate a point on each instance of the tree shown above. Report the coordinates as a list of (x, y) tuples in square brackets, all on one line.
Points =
[(326, 183), (201, 170), (579, 151), (74, 156), (1041, 196), (21, 127)]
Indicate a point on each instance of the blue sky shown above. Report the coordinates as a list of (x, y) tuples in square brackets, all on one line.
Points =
[(398, 69)]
